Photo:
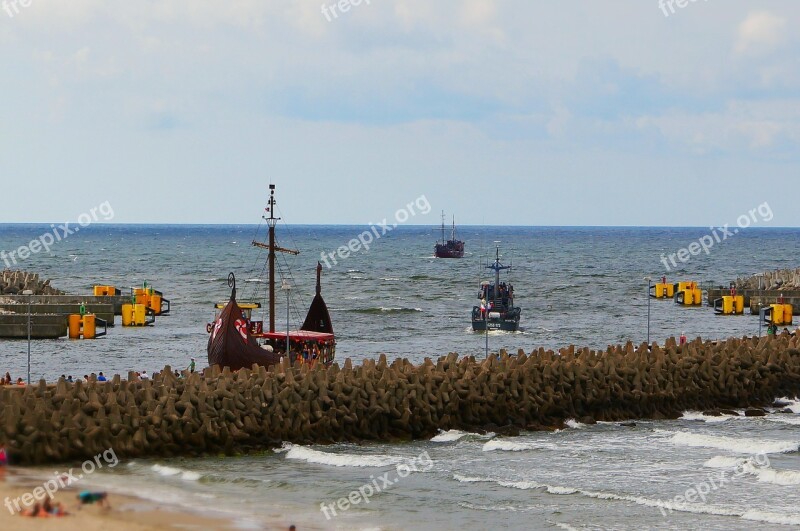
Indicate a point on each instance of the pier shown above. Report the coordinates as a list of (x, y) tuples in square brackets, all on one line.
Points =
[(256, 409)]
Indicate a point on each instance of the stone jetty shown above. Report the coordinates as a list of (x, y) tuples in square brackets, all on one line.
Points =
[(219, 412), (16, 282), (782, 279)]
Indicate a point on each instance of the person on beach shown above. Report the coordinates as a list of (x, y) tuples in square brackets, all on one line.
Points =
[(100, 498), (191, 365), (101, 378), (53, 509), (69, 379), (7, 380), (3, 458), (20, 382), (683, 338), (144, 376)]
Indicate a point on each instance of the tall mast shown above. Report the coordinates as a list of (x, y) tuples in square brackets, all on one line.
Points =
[(271, 221), (454, 227), (443, 240)]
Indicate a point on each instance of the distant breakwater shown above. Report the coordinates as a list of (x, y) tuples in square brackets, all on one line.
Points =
[(219, 412)]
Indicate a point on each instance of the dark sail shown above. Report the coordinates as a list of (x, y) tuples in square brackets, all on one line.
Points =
[(318, 319), (230, 343)]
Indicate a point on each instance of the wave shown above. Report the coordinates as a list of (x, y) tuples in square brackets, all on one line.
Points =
[(354, 271), (500, 508), (509, 446), (697, 415), (772, 518), (722, 461), (258, 280), (383, 310), (449, 436), (455, 435), (784, 419), (664, 505), (302, 453), (168, 471), (468, 479), (574, 424), (731, 444), (390, 279)]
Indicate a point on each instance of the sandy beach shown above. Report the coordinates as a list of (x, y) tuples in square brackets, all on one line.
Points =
[(126, 513)]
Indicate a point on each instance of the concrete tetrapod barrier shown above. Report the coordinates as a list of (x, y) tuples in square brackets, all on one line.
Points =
[(223, 412)]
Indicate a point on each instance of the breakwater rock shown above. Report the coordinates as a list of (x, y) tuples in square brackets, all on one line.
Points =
[(15, 282), (224, 412), (782, 279)]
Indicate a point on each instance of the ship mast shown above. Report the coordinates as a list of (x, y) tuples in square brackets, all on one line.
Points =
[(271, 221), (443, 240)]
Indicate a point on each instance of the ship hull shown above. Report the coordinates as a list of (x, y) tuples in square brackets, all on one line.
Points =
[(446, 252), (504, 325)]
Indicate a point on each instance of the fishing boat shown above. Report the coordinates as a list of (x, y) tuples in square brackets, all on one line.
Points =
[(238, 340), (451, 248), (496, 310)]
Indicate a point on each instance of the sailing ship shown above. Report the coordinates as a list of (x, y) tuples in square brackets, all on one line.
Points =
[(451, 248), (496, 310), (237, 340)]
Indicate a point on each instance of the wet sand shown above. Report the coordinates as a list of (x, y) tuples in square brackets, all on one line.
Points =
[(126, 513)]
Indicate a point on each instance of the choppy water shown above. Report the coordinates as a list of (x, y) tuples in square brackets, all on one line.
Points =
[(575, 285)]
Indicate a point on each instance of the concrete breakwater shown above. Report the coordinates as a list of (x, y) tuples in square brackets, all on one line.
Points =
[(223, 412), (16, 282)]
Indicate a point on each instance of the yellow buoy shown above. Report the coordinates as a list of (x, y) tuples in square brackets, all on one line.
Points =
[(127, 315), (89, 326), (74, 323)]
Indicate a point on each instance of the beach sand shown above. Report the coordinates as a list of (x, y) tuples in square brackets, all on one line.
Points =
[(125, 514)]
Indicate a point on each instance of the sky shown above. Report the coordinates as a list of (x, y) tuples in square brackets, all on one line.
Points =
[(499, 112)]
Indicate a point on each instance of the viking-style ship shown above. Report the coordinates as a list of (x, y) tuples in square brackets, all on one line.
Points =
[(451, 248), (314, 342)]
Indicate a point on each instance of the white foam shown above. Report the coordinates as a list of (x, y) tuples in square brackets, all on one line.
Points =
[(449, 436), (561, 490), (784, 419), (508, 446), (574, 424), (794, 404), (467, 479), (722, 461), (301, 453), (168, 471), (772, 518), (521, 485), (737, 445), (696, 415), (771, 475)]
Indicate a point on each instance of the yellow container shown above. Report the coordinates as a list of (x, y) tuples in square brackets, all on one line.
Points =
[(89, 326), (779, 317), (683, 286), (139, 314), (104, 291), (74, 323), (142, 296), (663, 291), (727, 305), (155, 303), (738, 304), (127, 315)]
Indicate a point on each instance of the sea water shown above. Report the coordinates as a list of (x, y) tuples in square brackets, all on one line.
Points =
[(581, 286)]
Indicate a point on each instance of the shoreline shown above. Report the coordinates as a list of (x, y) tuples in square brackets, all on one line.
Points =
[(128, 512)]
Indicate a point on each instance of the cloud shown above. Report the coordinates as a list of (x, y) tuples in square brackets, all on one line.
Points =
[(761, 32)]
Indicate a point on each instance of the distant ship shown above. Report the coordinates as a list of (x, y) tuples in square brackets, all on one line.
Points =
[(451, 248), (496, 310)]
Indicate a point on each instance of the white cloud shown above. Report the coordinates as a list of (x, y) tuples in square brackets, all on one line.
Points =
[(761, 32)]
